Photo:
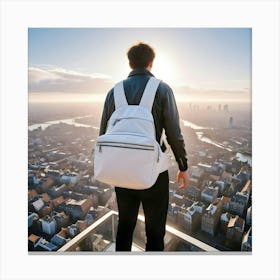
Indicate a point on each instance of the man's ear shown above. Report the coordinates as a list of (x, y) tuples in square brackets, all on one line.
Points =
[(150, 66)]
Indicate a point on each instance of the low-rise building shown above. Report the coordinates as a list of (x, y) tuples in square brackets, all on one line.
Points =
[(49, 225), (88, 189), (199, 207), (235, 229), (192, 219), (46, 197), (210, 219), (46, 184), (238, 203), (32, 240), (36, 180), (57, 191), (209, 194), (224, 220), (73, 230), (218, 168), (75, 209), (226, 177), (91, 216), (96, 242), (58, 240), (44, 245), (57, 201), (105, 195), (234, 185), (62, 220), (247, 241), (46, 210), (54, 174), (177, 199), (31, 194), (74, 195), (32, 217), (225, 203), (173, 209), (247, 188), (180, 217), (64, 232), (69, 178), (193, 192), (38, 204), (244, 177), (249, 216), (220, 184)]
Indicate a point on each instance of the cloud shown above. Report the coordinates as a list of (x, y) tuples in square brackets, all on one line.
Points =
[(67, 81), (55, 80)]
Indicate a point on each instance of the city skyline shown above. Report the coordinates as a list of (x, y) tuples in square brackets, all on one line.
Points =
[(200, 64)]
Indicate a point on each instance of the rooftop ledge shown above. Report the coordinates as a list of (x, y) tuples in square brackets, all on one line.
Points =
[(109, 224)]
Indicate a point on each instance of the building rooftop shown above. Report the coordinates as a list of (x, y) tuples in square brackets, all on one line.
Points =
[(210, 190), (211, 209), (45, 197), (225, 199), (236, 222), (58, 200), (225, 217), (247, 187), (38, 204), (84, 203), (33, 238), (47, 218), (242, 195), (247, 237)]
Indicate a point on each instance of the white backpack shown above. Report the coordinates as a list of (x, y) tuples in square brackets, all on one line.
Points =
[(128, 155)]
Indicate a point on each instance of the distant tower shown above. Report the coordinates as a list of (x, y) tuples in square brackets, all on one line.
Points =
[(230, 122), (226, 108)]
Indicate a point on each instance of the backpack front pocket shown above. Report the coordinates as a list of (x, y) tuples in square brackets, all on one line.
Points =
[(117, 163)]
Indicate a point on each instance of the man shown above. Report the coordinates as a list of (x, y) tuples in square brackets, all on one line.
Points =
[(155, 199)]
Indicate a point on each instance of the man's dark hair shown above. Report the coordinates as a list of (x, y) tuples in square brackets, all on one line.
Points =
[(140, 55)]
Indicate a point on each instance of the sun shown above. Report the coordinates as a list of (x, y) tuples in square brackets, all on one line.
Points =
[(164, 68)]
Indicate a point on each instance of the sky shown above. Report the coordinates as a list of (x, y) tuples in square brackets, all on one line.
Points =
[(200, 64)]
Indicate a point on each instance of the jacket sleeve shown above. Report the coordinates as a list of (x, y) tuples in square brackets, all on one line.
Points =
[(108, 109), (172, 129)]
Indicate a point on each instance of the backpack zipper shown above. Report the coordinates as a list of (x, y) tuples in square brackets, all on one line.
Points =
[(125, 145), (128, 118)]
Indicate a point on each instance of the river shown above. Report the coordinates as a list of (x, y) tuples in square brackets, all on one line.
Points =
[(197, 128), (67, 121), (240, 156)]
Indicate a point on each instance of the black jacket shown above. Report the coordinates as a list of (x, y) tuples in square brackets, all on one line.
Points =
[(164, 111)]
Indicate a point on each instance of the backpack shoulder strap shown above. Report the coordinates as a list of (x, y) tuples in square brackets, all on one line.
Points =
[(149, 93), (119, 95)]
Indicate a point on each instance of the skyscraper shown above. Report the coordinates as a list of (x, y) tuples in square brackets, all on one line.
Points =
[(230, 122)]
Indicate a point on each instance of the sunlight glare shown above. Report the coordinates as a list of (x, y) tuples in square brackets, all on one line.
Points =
[(164, 67)]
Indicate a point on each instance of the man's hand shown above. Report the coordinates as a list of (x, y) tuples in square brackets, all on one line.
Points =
[(186, 178)]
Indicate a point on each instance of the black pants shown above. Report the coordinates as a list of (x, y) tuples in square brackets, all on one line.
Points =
[(155, 205)]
